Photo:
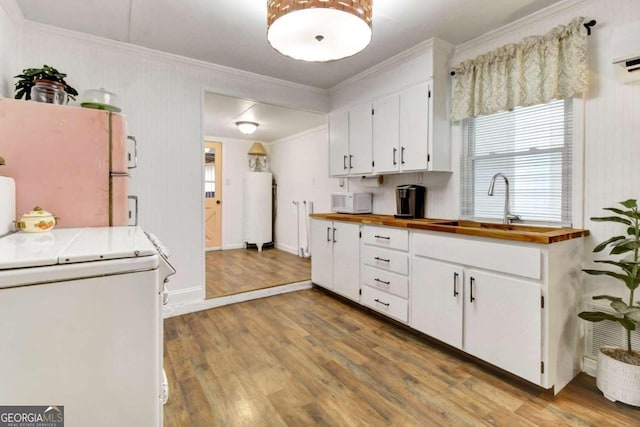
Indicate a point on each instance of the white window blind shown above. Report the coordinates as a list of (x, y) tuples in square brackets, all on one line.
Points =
[(532, 146)]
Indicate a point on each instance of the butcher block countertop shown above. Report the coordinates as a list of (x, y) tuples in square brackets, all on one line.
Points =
[(519, 232)]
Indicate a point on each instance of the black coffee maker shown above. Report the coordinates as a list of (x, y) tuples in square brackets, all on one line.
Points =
[(410, 201)]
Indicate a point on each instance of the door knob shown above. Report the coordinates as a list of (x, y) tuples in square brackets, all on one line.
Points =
[(218, 202)]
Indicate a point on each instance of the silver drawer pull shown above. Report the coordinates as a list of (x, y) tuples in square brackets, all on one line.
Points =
[(382, 237), (386, 304), (381, 281), (382, 259)]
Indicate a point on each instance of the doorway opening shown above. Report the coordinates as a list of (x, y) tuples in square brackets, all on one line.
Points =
[(235, 269)]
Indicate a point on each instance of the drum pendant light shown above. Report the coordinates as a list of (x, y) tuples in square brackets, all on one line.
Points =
[(319, 30)]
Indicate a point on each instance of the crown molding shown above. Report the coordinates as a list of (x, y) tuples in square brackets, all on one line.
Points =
[(13, 11), (531, 19), (168, 58), (394, 61), (298, 135)]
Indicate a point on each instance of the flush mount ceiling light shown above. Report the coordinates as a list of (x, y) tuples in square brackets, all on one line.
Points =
[(247, 127), (319, 30)]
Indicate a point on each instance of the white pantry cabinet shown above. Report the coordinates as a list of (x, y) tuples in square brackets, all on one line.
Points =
[(335, 248)]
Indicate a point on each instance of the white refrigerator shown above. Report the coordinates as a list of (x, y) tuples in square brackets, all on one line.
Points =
[(81, 324)]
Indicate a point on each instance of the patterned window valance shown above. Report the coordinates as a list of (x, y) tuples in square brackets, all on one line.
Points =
[(534, 71)]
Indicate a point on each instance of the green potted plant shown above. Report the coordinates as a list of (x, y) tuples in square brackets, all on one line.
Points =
[(44, 84), (618, 375)]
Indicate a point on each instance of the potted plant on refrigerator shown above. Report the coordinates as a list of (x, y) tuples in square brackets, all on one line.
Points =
[(618, 374), (44, 84)]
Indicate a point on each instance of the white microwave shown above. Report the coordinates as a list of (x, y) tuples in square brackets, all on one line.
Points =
[(351, 203)]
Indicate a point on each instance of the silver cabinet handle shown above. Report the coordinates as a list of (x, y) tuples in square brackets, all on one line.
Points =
[(350, 159), (344, 161), (328, 231), (386, 304), (395, 150), (334, 235), (382, 237), (135, 214), (382, 259), (455, 284), (402, 155), (382, 281), (135, 153)]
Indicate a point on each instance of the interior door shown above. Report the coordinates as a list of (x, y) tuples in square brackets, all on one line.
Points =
[(212, 195)]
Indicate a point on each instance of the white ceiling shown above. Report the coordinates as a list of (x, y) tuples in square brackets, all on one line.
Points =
[(233, 32), (222, 112)]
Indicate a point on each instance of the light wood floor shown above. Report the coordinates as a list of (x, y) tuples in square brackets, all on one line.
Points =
[(243, 270), (307, 358)]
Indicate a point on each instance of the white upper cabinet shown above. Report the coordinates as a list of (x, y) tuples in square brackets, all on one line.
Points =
[(350, 141), (386, 135), (397, 118), (360, 157), (339, 143), (415, 140)]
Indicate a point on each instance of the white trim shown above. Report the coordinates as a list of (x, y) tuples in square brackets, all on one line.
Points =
[(195, 306), (216, 248), (233, 246), (393, 62), (579, 150), (287, 248), (300, 134), (169, 57), (531, 19), (14, 12), (182, 296), (589, 366)]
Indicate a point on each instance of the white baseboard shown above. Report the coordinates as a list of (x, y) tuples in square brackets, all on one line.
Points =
[(233, 246), (183, 296), (286, 248), (589, 366), (194, 306)]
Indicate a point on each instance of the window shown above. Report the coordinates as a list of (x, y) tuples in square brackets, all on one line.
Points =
[(532, 146)]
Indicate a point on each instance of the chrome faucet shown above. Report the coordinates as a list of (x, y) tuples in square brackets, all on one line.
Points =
[(507, 217)]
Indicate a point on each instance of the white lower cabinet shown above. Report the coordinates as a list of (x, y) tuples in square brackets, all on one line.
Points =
[(335, 248), (437, 300), (384, 302), (502, 322), (511, 304)]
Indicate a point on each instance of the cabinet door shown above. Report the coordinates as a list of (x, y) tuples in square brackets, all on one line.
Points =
[(386, 134), (360, 147), (339, 143), (502, 322), (322, 253), (414, 128), (437, 300), (346, 260)]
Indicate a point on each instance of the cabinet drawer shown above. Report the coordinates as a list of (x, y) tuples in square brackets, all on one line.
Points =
[(523, 261), (397, 262), (383, 302), (385, 237), (385, 281)]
